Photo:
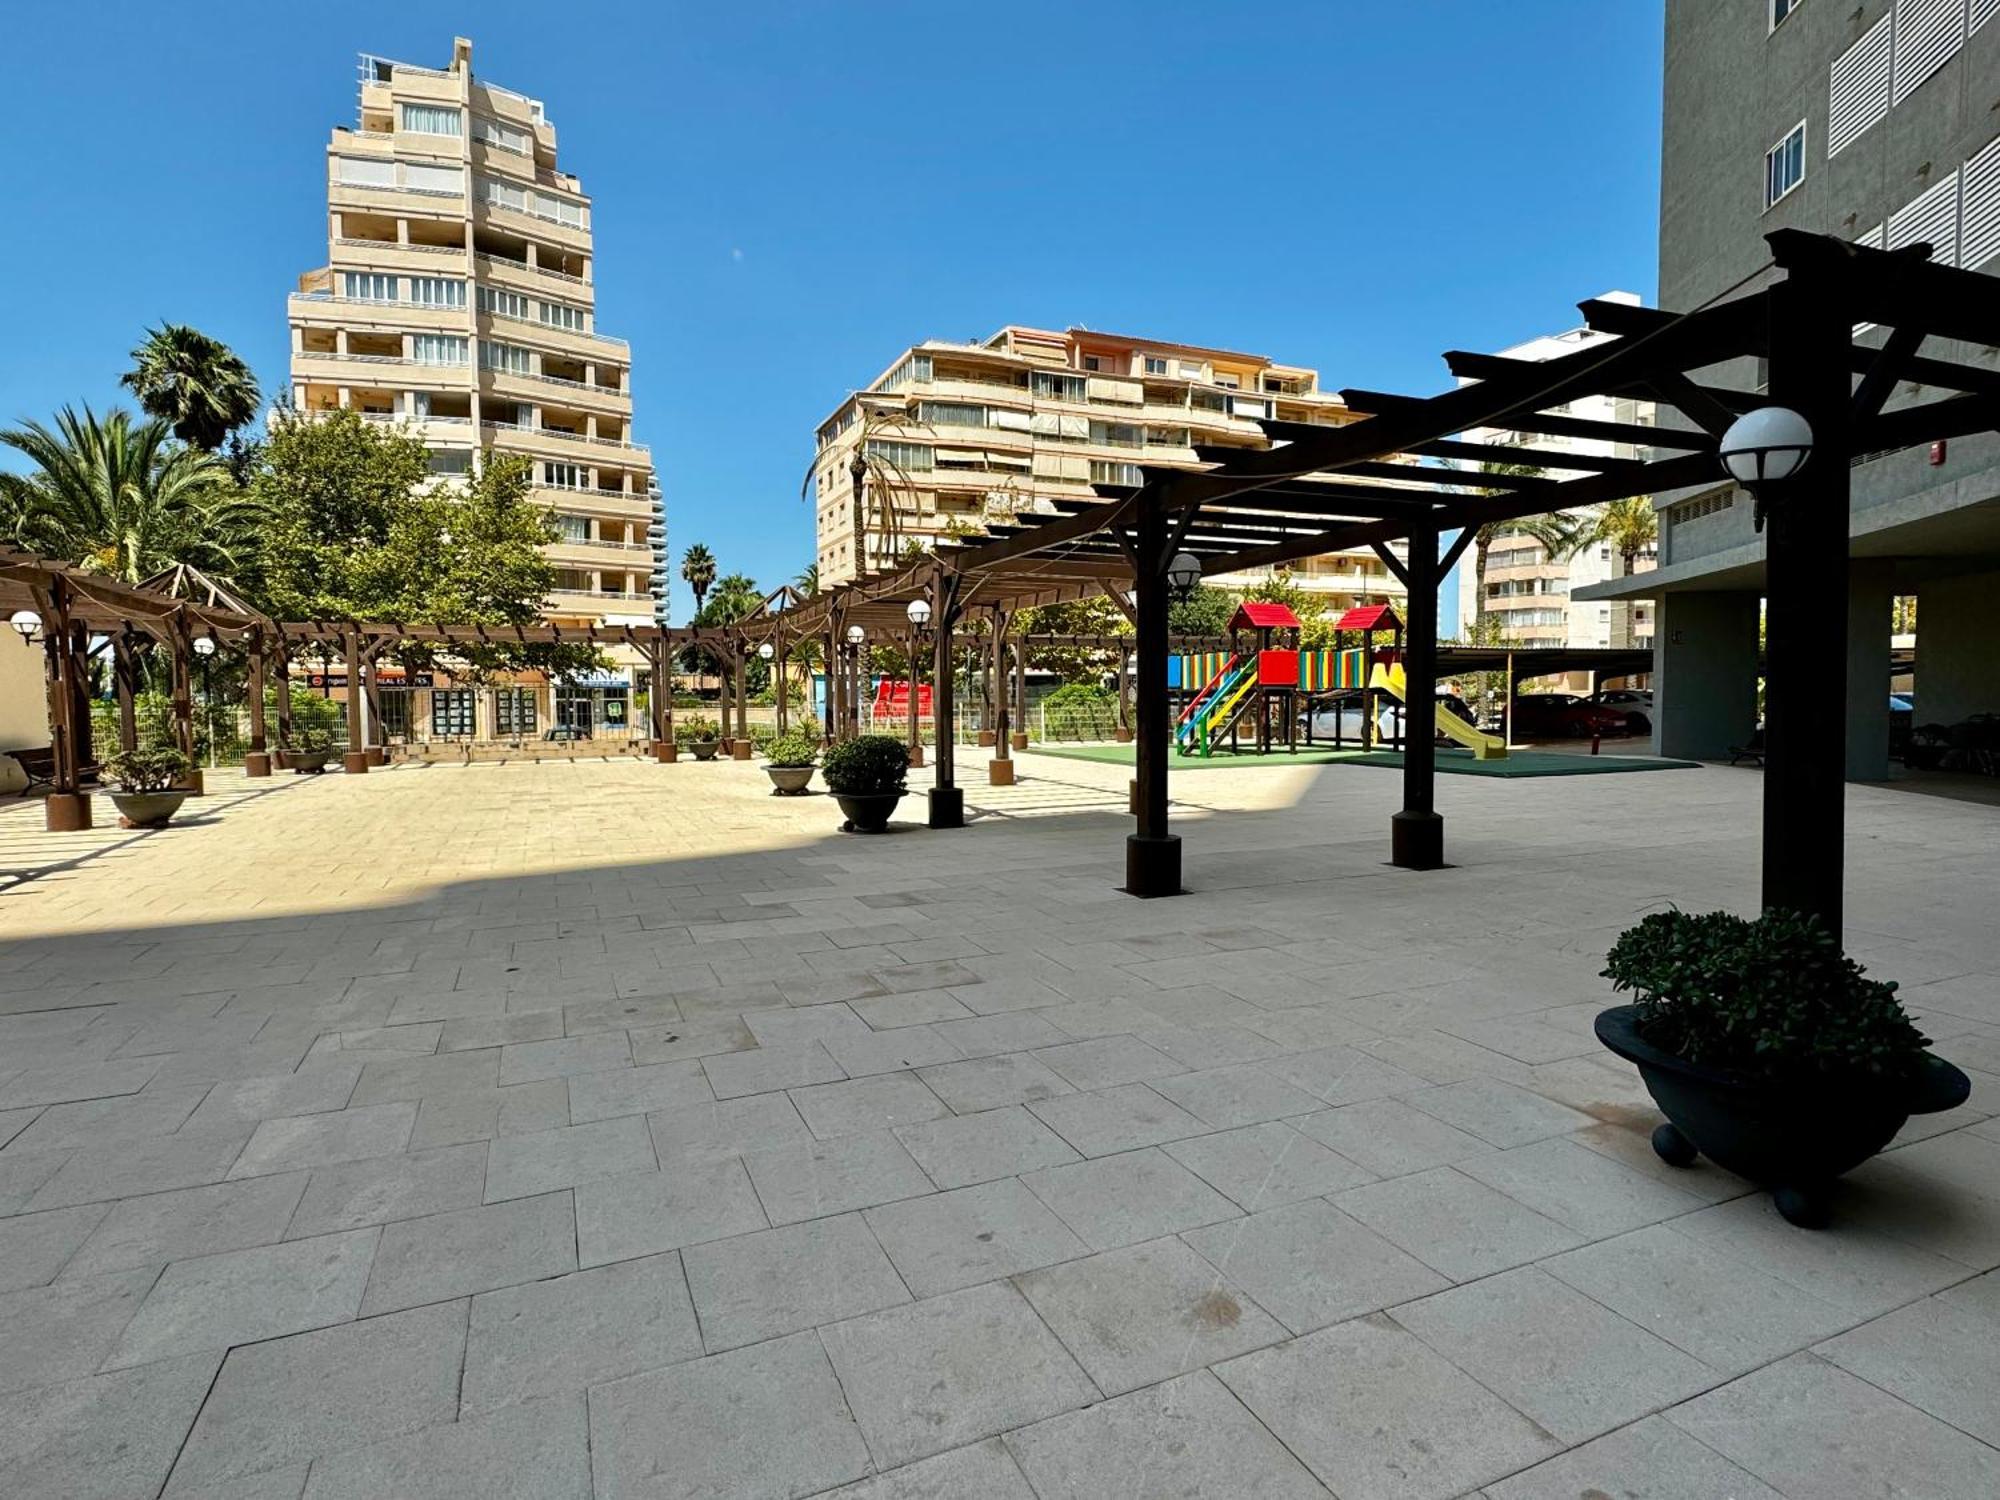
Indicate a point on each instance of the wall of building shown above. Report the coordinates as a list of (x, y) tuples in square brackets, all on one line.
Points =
[(1958, 648), (24, 704)]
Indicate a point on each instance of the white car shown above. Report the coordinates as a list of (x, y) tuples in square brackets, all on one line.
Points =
[(1343, 712)]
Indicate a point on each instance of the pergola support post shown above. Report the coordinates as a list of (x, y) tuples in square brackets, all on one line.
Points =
[(1020, 740), (371, 698), (355, 761), (284, 665), (257, 759), (125, 682), (660, 700), (1152, 854), (740, 745), (947, 799), (180, 640), (1000, 770), (1416, 834), (67, 807), (912, 642)]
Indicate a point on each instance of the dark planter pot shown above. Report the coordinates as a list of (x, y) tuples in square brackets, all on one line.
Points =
[(1793, 1138), (148, 809), (306, 762), (867, 812), (704, 749), (789, 781)]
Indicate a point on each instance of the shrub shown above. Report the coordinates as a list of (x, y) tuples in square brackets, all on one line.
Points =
[(792, 750), (1773, 998), (141, 771), (694, 729), (873, 765)]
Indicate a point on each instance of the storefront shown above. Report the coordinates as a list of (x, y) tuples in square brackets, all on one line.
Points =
[(595, 705)]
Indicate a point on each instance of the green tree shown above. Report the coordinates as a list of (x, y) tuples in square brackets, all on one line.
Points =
[(874, 475), (1555, 533), (124, 499), (1098, 616), (1629, 527), (698, 573), (1205, 611), (194, 382), (1315, 625), (807, 583)]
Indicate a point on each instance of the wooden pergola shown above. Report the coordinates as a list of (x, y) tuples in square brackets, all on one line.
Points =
[(1404, 474)]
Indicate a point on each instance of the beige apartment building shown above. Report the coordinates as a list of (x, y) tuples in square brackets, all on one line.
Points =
[(457, 299), (964, 433)]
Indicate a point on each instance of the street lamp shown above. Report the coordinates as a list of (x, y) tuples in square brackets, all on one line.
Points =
[(25, 622), (767, 651), (1765, 446), (1183, 574), (204, 647), (919, 611), (856, 635)]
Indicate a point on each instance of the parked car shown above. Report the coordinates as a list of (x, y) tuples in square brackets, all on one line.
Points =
[(1635, 703), (1565, 716), (1343, 711)]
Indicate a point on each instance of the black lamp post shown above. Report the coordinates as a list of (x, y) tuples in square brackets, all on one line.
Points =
[(204, 647)]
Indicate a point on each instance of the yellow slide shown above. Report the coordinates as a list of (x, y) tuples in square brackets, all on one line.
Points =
[(1483, 746)]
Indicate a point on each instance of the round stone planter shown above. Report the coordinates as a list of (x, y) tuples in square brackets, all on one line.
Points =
[(305, 762), (869, 813), (148, 809), (704, 749), (789, 781)]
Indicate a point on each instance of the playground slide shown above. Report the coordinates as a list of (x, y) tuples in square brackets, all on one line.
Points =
[(1228, 706), (1202, 706), (1483, 746)]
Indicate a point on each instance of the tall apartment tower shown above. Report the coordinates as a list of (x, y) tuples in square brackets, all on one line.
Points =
[(1872, 121), (966, 433), (457, 299)]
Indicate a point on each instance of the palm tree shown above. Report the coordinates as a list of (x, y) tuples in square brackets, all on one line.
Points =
[(698, 572), (871, 468), (1555, 533), (197, 383), (1629, 527), (807, 583), (123, 499)]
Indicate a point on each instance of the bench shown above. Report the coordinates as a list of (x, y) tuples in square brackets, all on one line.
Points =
[(1751, 750), (38, 765)]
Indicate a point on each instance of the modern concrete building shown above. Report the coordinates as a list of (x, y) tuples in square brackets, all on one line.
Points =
[(457, 298), (963, 433), (1873, 120), (1531, 594)]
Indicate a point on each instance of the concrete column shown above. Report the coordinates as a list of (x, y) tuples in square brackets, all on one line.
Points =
[(1704, 673), (1958, 667), (340, 341), (1871, 587), (402, 231)]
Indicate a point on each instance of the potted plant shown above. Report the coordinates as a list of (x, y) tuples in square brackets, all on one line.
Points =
[(145, 785), (789, 762), (308, 757), (865, 776), (1769, 1050), (697, 735)]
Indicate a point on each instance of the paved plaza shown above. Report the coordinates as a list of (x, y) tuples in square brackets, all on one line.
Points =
[(619, 1130)]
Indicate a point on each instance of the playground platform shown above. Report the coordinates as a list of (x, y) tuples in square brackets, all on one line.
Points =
[(1519, 763)]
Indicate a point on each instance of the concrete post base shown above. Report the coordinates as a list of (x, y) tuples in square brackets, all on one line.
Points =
[(947, 807), (666, 752), (1152, 866), (988, 739), (1122, 735), (355, 762), (1132, 796), (917, 756), (67, 812), (192, 783), (257, 763), (740, 750), (1416, 840), (1020, 741), (1000, 772), (378, 755)]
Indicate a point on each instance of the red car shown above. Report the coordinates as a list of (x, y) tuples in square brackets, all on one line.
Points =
[(1564, 716)]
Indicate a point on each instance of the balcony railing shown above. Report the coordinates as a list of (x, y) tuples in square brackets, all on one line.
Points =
[(567, 436), (521, 265), (584, 489), (575, 333), (360, 244)]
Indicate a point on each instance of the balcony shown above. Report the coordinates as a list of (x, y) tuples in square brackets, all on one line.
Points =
[(326, 310), (555, 442), (353, 253), (520, 386), (573, 498), (518, 275), (543, 228)]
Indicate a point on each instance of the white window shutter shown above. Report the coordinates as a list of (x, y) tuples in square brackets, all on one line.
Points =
[(1929, 218), (1858, 87), (1928, 32), (1979, 231), (1982, 12), (1874, 239)]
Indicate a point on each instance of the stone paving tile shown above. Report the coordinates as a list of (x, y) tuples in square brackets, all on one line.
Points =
[(1121, 1200), (767, 1420), (914, 1046), (1147, 1313), (243, 1296), (471, 1250), (128, 1168), (553, 1338), (103, 1437), (1498, 1112), (1186, 1439), (1815, 1432), (866, 1104), (687, 1201), (400, 1079), (84, 1080), (34, 1247), (959, 1150), (763, 1070), (980, 1471), (732, 1127), (980, 1083), (758, 1286), (1589, 1192), (238, 1108), (1116, 1119), (317, 1140), (1266, 1166), (294, 1399), (22, 1174), (1013, 1031), (525, 1062), (1574, 1366), (1311, 1265), (95, 1122), (64, 1331), (677, 1040), (909, 1008), (1240, 1095), (1650, 1460), (636, 1091), (350, 1195), (1455, 1225), (947, 1371), (1341, 1075), (476, 1033), (521, 1166), (540, 1451), (1106, 1062), (815, 1179), (973, 1234), (186, 1222), (1725, 1312), (1378, 1415), (1942, 1355), (487, 1114)]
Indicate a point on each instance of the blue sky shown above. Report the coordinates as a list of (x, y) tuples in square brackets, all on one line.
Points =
[(787, 194)]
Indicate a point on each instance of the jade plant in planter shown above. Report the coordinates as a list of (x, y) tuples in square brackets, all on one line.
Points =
[(698, 736), (789, 761), (866, 776), (144, 785), (311, 750), (1769, 1050)]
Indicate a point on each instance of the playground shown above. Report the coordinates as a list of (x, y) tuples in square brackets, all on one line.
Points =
[(1514, 764)]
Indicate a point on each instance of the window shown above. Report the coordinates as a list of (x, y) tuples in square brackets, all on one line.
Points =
[(1105, 471), (444, 181), (1092, 362), (506, 137), (916, 367), (1167, 437), (514, 710), (573, 528), (561, 210), (562, 476), (438, 349), (509, 357), (560, 315), (1781, 9), (503, 304), (367, 171), (1115, 434), (451, 713), (1155, 365), (450, 461), (430, 119), (1229, 382), (367, 286), (950, 414), (1931, 218), (437, 291), (504, 194), (1059, 387), (909, 457), (1785, 165)]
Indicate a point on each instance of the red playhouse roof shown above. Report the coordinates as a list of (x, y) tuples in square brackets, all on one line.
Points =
[(1369, 617), (1256, 614)]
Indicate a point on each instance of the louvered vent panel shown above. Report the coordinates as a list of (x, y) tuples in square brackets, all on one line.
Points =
[(1930, 218), (1979, 221), (1928, 32), (1982, 12), (1858, 87)]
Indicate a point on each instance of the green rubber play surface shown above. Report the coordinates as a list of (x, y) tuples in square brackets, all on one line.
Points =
[(1454, 762)]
